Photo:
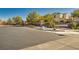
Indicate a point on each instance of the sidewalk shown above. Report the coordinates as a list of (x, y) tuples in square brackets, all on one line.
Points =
[(68, 43), (59, 31)]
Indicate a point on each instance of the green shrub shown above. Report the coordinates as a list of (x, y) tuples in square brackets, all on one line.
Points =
[(74, 25)]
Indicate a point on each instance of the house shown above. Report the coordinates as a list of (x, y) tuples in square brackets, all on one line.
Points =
[(66, 16), (62, 16), (58, 17)]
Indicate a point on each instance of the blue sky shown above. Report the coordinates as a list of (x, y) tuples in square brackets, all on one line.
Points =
[(6, 13)]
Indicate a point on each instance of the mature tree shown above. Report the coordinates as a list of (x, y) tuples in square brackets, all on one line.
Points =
[(74, 25), (49, 20), (41, 20), (75, 13), (32, 18), (9, 21), (75, 16), (4, 22), (17, 20)]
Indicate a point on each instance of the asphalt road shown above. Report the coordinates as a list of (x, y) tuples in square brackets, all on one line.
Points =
[(15, 38)]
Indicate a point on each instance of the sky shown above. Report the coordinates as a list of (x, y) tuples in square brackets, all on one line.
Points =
[(6, 13)]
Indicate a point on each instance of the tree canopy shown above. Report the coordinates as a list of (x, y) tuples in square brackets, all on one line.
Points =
[(17, 20), (75, 13), (32, 17)]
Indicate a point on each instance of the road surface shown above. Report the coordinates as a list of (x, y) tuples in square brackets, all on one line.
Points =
[(15, 38)]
